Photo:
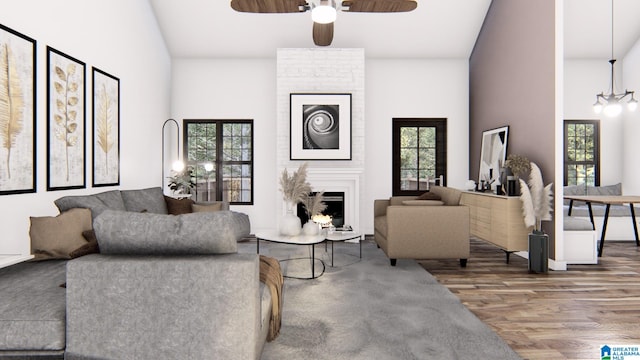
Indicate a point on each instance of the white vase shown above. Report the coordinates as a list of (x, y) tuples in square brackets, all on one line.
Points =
[(290, 224), (311, 228)]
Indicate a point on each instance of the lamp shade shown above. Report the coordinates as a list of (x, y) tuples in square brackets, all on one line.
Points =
[(612, 109)]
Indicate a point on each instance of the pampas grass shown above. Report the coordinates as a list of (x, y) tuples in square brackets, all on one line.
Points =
[(536, 199), (314, 205), (295, 188)]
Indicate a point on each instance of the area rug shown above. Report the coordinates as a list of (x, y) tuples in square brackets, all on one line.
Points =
[(366, 309)]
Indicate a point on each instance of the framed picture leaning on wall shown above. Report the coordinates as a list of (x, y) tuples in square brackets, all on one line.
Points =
[(106, 129), (17, 112), (66, 121), (320, 126), (493, 154)]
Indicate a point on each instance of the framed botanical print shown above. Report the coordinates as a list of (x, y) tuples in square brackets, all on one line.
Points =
[(17, 112), (320, 126), (66, 121), (106, 129)]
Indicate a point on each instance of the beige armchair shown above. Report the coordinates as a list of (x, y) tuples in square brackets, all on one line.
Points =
[(407, 228)]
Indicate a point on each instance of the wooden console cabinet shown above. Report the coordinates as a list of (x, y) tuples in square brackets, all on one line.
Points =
[(498, 220)]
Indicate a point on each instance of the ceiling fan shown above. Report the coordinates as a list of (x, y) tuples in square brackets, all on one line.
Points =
[(323, 12)]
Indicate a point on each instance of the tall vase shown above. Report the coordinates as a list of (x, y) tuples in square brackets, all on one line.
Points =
[(538, 252), (290, 224)]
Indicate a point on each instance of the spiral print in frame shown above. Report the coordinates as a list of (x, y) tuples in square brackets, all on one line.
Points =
[(320, 128)]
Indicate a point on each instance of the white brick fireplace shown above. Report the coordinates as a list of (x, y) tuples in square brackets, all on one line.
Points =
[(325, 71)]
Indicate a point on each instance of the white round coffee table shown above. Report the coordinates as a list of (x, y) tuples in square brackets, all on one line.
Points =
[(310, 240)]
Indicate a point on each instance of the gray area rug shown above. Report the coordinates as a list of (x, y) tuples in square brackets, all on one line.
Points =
[(366, 309)]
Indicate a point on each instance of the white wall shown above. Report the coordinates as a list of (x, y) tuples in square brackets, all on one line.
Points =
[(631, 125), (413, 88), (583, 79), (235, 89), (120, 37), (246, 89)]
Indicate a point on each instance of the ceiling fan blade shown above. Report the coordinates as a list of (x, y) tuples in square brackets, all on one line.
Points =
[(269, 6), (322, 34), (379, 5)]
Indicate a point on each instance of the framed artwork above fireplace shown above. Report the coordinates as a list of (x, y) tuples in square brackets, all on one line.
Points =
[(320, 127)]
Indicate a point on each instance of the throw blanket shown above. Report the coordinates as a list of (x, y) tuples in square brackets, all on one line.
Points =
[(271, 276)]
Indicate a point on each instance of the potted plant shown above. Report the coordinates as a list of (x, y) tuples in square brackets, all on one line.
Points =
[(514, 167), (181, 182), (295, 189), (536, 208)]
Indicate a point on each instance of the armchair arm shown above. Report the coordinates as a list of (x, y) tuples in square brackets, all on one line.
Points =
[(380, 207)]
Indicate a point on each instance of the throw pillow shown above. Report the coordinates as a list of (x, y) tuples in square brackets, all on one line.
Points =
[(423, 202), (207, 208), (57, 237), (91, 247), (178, 206), (428, 196)]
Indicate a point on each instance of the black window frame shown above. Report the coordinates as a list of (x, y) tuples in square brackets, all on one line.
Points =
[(219, 163), (596, 162), (441, 150)]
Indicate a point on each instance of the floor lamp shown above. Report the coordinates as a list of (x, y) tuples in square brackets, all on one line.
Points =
[(177, 165)]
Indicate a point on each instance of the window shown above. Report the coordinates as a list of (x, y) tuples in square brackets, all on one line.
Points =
[(419, 154), (220, 153), (582, 152)]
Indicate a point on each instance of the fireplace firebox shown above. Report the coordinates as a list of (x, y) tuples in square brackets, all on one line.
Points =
[(335, 208)]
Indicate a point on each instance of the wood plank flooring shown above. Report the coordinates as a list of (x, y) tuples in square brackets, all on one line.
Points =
[(559, 315)]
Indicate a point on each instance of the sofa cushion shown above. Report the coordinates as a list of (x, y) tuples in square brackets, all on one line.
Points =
[(32, 310), (429, 196), (207, 208), (605, 190), (57, 237), (224, 205), (120, 232), (574, 190), (178, 206), (423, 202), (575, 224), (149, 200), (450, 196), (91, 202)]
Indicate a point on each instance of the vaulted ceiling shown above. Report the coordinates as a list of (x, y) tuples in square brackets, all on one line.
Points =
[(436, 29)]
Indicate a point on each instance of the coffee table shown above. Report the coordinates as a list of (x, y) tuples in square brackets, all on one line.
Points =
[(310, 240), (343, 236)]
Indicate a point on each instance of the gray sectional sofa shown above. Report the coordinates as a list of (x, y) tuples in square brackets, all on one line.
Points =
[(162, 287)]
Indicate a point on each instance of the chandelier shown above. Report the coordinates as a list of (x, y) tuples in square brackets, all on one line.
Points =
[(611, 102), (324, 12)]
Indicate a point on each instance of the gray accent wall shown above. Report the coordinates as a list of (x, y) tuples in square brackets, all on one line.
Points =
[(512, 82)]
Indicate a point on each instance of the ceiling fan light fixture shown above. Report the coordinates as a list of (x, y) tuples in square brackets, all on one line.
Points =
[(325, 12)]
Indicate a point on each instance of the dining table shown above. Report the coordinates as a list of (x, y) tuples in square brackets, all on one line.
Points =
[(607, 200)]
